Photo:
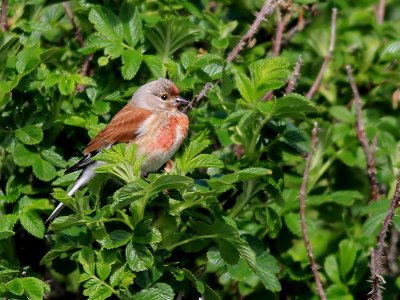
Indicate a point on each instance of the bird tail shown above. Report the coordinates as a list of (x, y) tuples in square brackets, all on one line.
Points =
[(86, 175)]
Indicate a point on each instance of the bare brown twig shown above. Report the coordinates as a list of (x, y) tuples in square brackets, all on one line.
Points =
[(377, 257), (267, 9), (293, 78), (369, 155), (3, 18), (78, 33), (380, 12), (304, 230), (280, 28), (314, 88)]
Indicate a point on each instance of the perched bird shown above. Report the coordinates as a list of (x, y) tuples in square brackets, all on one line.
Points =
[(151, 119)]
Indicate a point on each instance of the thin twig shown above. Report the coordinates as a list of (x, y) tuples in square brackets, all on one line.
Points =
[(369, 155), (267, 9), (84, 72), (293, 78), (393, 253), (3, 18), (78, 33), (302, 194), (314, 88), (291, 32), (280, 28), (377, 259), (380, 12)]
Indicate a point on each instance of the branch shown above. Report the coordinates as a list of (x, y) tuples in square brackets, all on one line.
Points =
[(314, 88), (369, 155), (267, 9), (3, 18), (377, 257), (280, 28), (78, 33), (293, 78), (380, 12), (302, 194)]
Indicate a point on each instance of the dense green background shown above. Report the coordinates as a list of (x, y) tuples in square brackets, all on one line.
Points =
[(225, 223)]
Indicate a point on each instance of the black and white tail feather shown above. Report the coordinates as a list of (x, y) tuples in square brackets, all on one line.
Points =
[(87, 165)]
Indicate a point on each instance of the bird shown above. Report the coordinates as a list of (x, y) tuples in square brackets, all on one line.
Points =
[(152, 120)]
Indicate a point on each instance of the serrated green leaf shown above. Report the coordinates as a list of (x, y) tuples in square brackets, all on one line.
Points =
[(139, 258), (34, 288), (391, 51), (23, 156), (33, 223), (106, 23), (115, 239), (30, 134), (293, 105), (165, 182), (131, 60), (43, 170), (159, 291), (54, 158), (245, 87), (15, 286), (132, 25)]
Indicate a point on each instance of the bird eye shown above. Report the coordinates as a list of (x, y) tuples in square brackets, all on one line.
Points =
[(164, 97)]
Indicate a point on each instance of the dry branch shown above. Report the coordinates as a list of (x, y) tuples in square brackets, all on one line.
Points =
[(293, 78), (3, 18), (380, 12), (78, 34), (280, 28), (377, 257), (77, 30), (314, 88), (267, 9), (302, 194), (360, 129)]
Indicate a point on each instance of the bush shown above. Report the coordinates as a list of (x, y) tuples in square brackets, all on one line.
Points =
[(225, 222)]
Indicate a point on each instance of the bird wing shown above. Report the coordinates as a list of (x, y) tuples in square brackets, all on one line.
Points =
[(123, 128)]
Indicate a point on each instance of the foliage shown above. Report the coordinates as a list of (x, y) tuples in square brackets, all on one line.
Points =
[(224, 223)]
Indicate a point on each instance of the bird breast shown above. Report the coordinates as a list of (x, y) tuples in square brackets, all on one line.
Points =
[(159, 137)]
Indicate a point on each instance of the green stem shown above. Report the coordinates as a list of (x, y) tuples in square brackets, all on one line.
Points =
[(256, 135), (242, 201), (193, 238)]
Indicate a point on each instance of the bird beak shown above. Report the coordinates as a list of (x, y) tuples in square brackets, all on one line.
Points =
[(181, 101)]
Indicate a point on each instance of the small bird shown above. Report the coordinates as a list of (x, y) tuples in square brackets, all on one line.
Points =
[(151, 120)]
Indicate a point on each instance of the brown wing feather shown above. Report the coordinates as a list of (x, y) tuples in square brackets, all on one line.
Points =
[(121, 129)]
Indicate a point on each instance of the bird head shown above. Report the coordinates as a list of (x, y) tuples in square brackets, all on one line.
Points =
[(161, 94)]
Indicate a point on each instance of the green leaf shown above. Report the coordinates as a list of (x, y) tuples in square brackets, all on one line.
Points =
[(33, 223), (245, 87), (131, 60), (204, 161), (115, 239), (293, 105), (24, 157), (348, 252), (338, 292), (132, 25), (34, 288), (331, 268), (391, 51), (139, 258), (15, 286), (106, 23), (144, 233), (95, 289), (166, 182), (155, 64), (30, 134), (87, 260), (159, 291), (43, 170), (54, 158), (266, 269), (342, 114)]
